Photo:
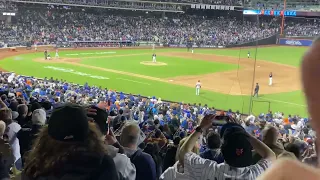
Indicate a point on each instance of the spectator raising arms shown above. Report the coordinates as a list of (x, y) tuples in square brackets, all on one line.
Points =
[(236, 149)]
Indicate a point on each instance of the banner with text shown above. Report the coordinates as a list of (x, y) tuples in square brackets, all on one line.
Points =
[(295, 42)]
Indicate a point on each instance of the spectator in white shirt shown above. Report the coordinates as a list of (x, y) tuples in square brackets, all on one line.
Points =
[(236, 149), (12, 129)]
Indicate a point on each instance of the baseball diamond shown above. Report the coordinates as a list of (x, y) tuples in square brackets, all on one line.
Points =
[(159, 90), (226, 79)]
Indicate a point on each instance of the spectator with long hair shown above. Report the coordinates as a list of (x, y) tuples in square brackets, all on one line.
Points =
[(69, 148)]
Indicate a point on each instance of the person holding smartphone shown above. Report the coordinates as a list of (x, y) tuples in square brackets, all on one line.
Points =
[(236, 149)]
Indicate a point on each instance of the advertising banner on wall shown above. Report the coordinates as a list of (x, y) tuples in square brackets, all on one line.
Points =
[(295, 42)]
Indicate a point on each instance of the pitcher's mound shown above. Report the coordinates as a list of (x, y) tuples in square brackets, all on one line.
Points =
[(150, 63)]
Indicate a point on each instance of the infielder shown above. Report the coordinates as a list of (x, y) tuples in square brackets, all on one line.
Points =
[(192, 50), (248, 54), (154, 58), (270, 79), (45, 54), (198, 87), (57, 55)]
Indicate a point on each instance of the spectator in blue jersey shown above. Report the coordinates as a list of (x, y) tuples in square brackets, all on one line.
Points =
[(213, 151)]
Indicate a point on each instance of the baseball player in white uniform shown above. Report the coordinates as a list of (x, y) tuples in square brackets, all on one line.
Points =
[(57, 55), (270, 79), (154, 58), (35, 47), (192, 50), (198, 87)]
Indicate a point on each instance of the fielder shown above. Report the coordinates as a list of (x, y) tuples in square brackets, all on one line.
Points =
[(154, 58), (35, 47), (45, 54), (57, 55), (248, 54), (270, 79), (192, 50), (198, 87)]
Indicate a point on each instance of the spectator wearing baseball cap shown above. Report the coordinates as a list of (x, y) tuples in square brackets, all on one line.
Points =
[(69, 148), (28, 133), (236, 149)]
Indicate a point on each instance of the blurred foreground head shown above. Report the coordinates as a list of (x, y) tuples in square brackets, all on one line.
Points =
[(68, 136), (310, 77)]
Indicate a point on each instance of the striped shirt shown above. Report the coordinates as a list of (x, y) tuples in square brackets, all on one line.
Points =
[(197, 168)]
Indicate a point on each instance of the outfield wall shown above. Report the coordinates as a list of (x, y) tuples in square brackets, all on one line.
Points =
[(266, 41)]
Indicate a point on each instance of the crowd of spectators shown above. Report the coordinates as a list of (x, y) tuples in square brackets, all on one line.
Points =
[(64, 26), (106, 2), (51, 128), (306, 28), (7, 6), (56, 26)]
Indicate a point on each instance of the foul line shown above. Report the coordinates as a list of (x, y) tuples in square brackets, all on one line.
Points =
[(134, 81), (285, 102)]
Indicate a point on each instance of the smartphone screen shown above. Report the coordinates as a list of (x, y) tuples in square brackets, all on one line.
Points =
[(220, 120)]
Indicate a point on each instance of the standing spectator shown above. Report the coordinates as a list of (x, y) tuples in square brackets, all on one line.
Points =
[(69, 148), (213, 151), (124, 167), (145, 165), (11, 132), (154, 151), (270, 138), (6, 159), (236, 150), (170, 155), (28, 133), (23, 112)]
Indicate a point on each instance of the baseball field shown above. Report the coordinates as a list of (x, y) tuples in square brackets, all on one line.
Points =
[(226, 75)]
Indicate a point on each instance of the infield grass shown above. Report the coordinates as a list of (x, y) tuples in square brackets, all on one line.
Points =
[(291, 102)]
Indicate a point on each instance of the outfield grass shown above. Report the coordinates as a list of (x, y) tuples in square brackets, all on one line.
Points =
[(291, 102)]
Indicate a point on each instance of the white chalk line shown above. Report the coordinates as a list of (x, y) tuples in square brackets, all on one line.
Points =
[(133, 81), (285, 102)]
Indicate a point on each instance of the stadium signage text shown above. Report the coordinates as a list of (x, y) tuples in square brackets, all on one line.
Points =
[(295, 42)]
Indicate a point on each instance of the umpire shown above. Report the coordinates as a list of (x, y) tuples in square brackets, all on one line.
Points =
[(256, 90)]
